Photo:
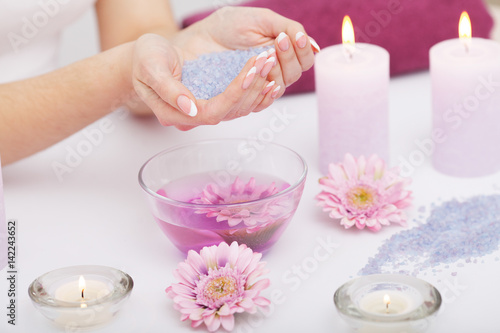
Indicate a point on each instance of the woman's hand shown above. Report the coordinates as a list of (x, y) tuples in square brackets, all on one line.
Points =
[(243, 27), (157, 69)]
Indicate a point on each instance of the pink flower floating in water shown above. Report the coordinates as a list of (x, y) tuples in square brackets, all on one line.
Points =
[(364, 193), (238, 192), (217, 283)]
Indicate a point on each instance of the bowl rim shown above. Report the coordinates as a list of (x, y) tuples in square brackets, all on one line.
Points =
[(387, 279), (82, 270), (239, 204)]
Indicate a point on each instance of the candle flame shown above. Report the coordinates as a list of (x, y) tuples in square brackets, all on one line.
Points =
[(464, 26), (347, 31), (81, 285), (387, 300)]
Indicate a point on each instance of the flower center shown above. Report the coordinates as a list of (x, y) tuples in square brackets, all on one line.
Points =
[(362, 197), (220, 287)]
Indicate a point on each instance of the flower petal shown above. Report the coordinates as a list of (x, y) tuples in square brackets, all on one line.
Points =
[(227, 322)]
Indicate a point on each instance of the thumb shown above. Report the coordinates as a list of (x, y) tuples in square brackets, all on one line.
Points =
[(174, 93), (157, 71)]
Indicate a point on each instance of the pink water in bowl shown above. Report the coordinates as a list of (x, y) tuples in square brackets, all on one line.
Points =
[(257, 223)]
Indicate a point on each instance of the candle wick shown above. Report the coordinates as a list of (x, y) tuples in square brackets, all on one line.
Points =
[(82, 294), (387, 308)]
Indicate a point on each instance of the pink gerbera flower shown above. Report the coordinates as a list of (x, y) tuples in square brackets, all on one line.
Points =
[(364, 193), (237, 192), (217, 283)]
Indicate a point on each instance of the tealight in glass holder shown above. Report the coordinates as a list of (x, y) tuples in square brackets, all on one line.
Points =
[(81, 296), (387, 303)]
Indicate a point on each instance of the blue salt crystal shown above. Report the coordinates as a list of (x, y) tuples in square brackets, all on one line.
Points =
[(211, 73), (453, 231)]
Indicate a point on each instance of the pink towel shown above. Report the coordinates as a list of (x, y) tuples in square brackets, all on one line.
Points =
[(406, 28)]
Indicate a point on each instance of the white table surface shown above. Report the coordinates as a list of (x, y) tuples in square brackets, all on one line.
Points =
[(98, 215)]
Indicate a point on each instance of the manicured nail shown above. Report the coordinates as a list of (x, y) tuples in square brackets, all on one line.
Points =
[(314, 45), (275, 92), (187, 105), (262, 55), (301, 39), (260, 61), (268, 87), (283, 41), (268, 66), (271, 53), (249, 78)]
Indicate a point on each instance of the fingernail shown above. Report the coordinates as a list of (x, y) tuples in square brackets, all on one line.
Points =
[(260, 61), (268, 66), (271, 53), (249, 78), (268, 87), (275, 92), (301, 39), (262, 55), (187, 105), (283, 42), (314, 44)]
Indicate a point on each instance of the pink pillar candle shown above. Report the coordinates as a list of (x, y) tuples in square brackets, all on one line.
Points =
[(352, 90), (466, 106)]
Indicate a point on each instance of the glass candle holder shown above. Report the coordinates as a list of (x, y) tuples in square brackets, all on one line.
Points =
[(387, 303), (80, 296)]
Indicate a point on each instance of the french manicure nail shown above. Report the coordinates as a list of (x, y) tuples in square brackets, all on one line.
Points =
[(268, 87), (314, 44), (301, 39), (249, 78), (275, 92), (283, 41), (262, 55), (260, 61), (271, 53), (187, 105), (267, 66)]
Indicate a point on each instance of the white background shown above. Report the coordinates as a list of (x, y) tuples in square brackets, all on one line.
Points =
[(98, 215)]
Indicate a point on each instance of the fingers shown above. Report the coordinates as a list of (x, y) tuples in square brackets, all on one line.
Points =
[(244, 94), (269, 95), (295, 49), (156, 79)]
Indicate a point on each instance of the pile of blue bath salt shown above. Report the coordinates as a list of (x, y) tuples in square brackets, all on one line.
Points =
[(455, 231), (211, 73)]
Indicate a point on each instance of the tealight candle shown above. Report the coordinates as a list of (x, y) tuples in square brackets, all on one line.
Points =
[(465, 74), (81, 296), (387, 303), (82, 290), (352, 85)]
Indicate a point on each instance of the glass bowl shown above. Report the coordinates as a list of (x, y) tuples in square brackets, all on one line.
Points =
[(388, 303), (58, 295), (207, 192)]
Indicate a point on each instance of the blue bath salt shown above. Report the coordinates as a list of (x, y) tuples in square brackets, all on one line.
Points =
[(211, 73), (454, 231)]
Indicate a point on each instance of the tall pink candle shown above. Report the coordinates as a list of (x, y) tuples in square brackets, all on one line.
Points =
[(352, 87), (465, 76)]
